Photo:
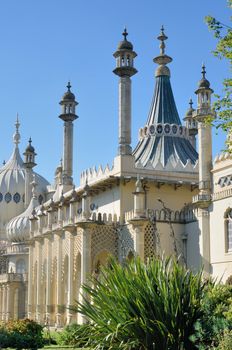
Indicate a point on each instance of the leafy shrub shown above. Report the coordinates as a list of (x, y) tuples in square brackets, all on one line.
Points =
[(226, 341), (21, 334), (141, 306), (74, 334), (216, 305)]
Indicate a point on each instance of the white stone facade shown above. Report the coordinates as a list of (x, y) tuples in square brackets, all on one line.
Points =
[(156, 200)]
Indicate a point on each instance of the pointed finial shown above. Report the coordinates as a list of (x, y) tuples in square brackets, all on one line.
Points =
[(162, 37), (30, 141), (4, 162), (16, 136), (61, 162), (125, 34), (203, 72), (191, 103), (69, 86)]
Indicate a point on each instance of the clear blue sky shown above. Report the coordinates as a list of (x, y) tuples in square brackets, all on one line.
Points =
[(44, 43)]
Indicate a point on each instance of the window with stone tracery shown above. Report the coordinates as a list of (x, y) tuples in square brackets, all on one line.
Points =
[(228, 230)]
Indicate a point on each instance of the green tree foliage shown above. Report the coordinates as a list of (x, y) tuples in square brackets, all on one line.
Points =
[(21, 334), (223, 104), (138, 306)]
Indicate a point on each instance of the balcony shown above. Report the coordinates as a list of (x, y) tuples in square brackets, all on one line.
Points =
[(13, 277)]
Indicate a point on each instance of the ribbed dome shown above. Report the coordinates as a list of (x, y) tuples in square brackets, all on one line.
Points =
[(12, 188), (125, 45), (18, 229), (68, 96)]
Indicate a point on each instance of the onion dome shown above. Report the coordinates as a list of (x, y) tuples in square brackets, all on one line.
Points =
[(30, 148), (18, 229), (164, 142), (125, 44), (12, 185), (68, 96), (203, 83)]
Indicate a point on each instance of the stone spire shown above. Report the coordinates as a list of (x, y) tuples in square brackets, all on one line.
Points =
[(125, 70), (68, 105), (16, 136)]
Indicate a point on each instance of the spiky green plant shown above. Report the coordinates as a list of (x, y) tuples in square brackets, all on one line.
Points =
[(138, 306)]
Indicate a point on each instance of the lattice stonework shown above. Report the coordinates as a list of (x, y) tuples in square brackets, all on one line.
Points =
[(104, 238), (65, 245), (126, 241), (77, 244), (149, 242), (54, 249)]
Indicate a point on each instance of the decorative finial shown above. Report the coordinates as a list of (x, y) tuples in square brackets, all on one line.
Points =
[(69, 86), (162, 37), (162, 60), (61, 162), (30, 141), (125, 34), (191, 103), (34, 184), (4, 162), (203, 72), (16, 136)]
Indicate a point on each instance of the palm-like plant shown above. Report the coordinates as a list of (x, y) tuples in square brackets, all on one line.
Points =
[(142, 306)]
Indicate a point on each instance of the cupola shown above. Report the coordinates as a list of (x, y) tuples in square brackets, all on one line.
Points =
[(204, 91), (125, 58), (68, 104), (29, 155)]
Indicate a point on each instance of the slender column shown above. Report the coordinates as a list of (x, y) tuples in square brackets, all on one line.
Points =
[(204, 239), (48, 281), (85, 260), (30, 286), (28, 193), (58, 282), (68, 149), (9, 303), (38, 283), (3, 302), (205, 155), (125, 115), (70, 278)]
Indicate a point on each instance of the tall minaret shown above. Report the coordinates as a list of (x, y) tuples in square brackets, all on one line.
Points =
[(68, 115), (125, 69), (29, 162), (202, 115)]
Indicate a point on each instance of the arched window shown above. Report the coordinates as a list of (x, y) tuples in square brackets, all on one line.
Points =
[(228, 230), (20, 266)]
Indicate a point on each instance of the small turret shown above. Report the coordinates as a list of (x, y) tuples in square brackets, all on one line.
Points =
[(203, 93), (203, 115), (29, 156), (191, 124), (68, 115), (125, 69)]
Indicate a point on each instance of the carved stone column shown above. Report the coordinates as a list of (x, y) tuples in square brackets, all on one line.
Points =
[(86, 256), (38, 283), (138, 226), (59, 307), (70, 279), (30, 282), (48, 281)]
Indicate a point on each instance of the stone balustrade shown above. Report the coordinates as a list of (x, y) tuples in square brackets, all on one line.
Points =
[(13, 277), (182, 216)]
